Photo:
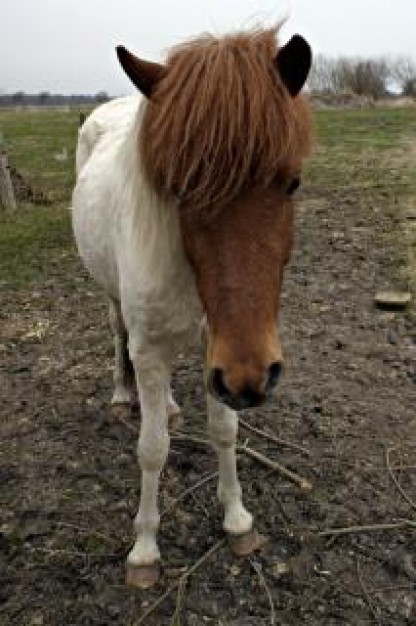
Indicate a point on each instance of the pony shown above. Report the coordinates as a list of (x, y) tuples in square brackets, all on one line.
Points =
[(183, 213)]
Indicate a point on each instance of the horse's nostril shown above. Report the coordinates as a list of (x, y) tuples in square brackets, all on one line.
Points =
[(217, 382), (274, 375)]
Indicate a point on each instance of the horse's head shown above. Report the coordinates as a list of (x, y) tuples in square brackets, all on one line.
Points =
[(238, 260), (224, 135)]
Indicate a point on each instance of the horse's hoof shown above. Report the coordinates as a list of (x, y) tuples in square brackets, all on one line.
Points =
[(246, 543), (142, 576)]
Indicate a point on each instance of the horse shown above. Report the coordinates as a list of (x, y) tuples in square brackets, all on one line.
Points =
[(183, 213)]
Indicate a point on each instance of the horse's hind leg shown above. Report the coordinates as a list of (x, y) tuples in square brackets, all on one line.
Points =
[(125, 392)]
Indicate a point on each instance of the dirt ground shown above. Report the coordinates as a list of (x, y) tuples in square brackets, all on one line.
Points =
[(70, 480)]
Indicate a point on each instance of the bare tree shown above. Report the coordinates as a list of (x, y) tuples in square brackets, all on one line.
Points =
[(362, 77), (18, 97), (44, 97), (321, 77), (404, 73), (348, 75)]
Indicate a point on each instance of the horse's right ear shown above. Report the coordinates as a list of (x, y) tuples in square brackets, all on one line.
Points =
[(145, 75)]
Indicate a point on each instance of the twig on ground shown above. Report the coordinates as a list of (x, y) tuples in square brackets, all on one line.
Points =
[(127, 424), (176, 617), (191, 489), (364, 589), (278, 440), (180, 582), (263, 583), (303, 483), (351, 530), (396, 482), (408, 522)]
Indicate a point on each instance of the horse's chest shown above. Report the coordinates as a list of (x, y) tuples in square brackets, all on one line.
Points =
[(171, 315)]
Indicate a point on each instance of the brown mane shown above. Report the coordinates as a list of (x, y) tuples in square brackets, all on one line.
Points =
[(221, 121)]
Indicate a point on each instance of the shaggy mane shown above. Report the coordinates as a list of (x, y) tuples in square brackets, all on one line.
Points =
[(221, 121)]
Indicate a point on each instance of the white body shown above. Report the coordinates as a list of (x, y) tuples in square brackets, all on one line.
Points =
[(131, 243), (128, 239)]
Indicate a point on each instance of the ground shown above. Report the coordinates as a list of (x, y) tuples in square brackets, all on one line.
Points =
[(345, 414)]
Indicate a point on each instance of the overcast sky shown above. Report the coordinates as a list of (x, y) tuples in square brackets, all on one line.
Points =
[(67, 46)]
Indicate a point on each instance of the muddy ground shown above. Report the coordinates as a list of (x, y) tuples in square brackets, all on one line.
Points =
[(70, 480)]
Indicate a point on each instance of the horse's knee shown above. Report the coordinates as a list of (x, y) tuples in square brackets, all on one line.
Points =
[(223, 433)]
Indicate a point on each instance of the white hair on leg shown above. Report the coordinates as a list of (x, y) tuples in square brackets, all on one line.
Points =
[(222, 425)]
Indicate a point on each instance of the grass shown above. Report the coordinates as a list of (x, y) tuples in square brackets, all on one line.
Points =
[(33, 138), (33, 241), (352, 147), (360, 153)]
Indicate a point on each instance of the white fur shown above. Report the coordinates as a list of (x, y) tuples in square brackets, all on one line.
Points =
[(131, 243)]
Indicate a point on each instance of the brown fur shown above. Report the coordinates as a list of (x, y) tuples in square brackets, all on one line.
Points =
[(238, 260), (220, 121)]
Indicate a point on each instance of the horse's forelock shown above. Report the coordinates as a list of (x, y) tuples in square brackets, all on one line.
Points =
[(221, 120)]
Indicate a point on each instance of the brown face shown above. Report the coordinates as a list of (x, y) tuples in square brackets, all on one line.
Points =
[(238, 258)]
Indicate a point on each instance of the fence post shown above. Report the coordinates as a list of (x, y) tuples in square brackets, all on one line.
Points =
[(7, 198)]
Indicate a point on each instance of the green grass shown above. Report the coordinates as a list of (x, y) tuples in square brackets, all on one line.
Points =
[(36, 238), (352, 149), (33, 138), (33, 241)]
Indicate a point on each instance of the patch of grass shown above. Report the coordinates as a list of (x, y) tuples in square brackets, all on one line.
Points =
[(352, 148), (36, 240), (33, 139), (33, 241)]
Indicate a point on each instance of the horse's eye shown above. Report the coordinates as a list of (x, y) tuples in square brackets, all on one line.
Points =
[(295, 184)]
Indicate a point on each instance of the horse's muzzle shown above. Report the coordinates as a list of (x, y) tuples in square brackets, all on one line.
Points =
[(249, 395)]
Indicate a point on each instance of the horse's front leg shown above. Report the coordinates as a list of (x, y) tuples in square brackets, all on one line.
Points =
[(152, 373), (238, 522)]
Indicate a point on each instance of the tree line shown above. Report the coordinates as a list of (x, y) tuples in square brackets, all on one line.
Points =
[(45, 98), (371, 77)]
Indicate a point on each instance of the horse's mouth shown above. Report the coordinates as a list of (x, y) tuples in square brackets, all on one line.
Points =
[(248, 399)]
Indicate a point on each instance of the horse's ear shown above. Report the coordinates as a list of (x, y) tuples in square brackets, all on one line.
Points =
[(143, 74), (293, 62)]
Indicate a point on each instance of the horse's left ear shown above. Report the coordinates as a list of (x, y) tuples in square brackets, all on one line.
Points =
[(145, 75), (293, 62)]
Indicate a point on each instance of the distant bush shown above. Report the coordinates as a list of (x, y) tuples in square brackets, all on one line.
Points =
[(361, 77), (404, 72), (369, 78)]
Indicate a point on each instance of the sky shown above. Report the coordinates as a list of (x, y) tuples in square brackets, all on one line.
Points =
[(67, 46)]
